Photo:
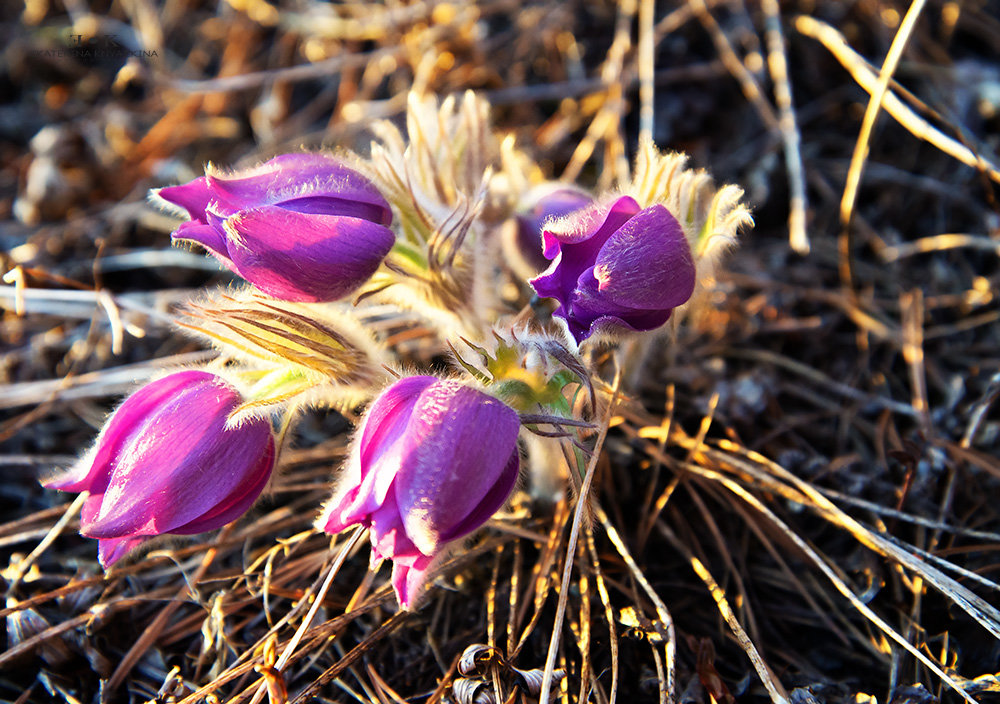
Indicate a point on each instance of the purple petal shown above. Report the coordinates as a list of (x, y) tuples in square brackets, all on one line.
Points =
[(549, 204), (297, 257), (634, 321), (88, 513), (380, 432), (193, 197), (125, 423), (295, 178), (461, 443), (389, 413), (646, 264), (342, 206), (590, 312), (181, 463), (211, 238), (339, 513), (551, 283), (491, 503), (388, 534), (597, 221), (408, 578), (110, 550), (624, 321), (574, 243), (239, 501)]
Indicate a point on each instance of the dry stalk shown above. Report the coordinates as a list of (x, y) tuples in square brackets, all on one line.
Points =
[(582, 502)]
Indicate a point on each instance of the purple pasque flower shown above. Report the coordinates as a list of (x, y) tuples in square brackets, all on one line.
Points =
[(542, 204), (166, 463), (616, 267), (300, 227), (432, 461)]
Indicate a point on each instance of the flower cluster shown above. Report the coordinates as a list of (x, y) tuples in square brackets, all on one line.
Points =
[(446, 224)]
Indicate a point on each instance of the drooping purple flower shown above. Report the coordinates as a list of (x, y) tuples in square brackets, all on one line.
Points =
[(616, 267), (166, 463), (431, 462), (300, 227), (541, 204)]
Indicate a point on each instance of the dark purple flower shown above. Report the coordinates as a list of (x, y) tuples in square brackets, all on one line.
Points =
[(545, 203), (432, 461), (166, 463), (616, 267), (300, 227)]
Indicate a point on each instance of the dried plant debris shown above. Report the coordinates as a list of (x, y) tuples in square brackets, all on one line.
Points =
[(658, 362)]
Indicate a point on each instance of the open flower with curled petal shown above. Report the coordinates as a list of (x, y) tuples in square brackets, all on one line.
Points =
[(616, 267), (166, 462), (432, 461), (300, 227)]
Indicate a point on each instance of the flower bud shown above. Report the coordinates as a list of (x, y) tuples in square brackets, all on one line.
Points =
[(616, 267), (167, 463), (300, 227), (431, 462)]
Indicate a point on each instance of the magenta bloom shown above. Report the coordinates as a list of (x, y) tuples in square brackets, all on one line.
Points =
[(300, 227), (616, 267), (432, 461), (166, 463)]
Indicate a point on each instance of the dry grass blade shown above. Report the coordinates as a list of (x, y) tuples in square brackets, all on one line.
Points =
[(540, 583), (647, 68), (670, 647), (107, 382), (793, 578), (286, 654), (983, 612), (609, 614), (582, 503), (582, 628), (874, 106), (777, 63), (839, 584), (866, 78), (21, 567), (751, 89), (767, 677), (912, 307), (28, 645), (351, 657), (606, 123), (937, 243), (293, 73), (154, 630)]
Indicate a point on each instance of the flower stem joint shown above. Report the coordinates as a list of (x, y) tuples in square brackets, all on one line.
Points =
[(431, 462)]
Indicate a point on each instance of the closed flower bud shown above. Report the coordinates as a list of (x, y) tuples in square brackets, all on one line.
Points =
[(431, 462), (616, 267), (167, 463), (300, 227)]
